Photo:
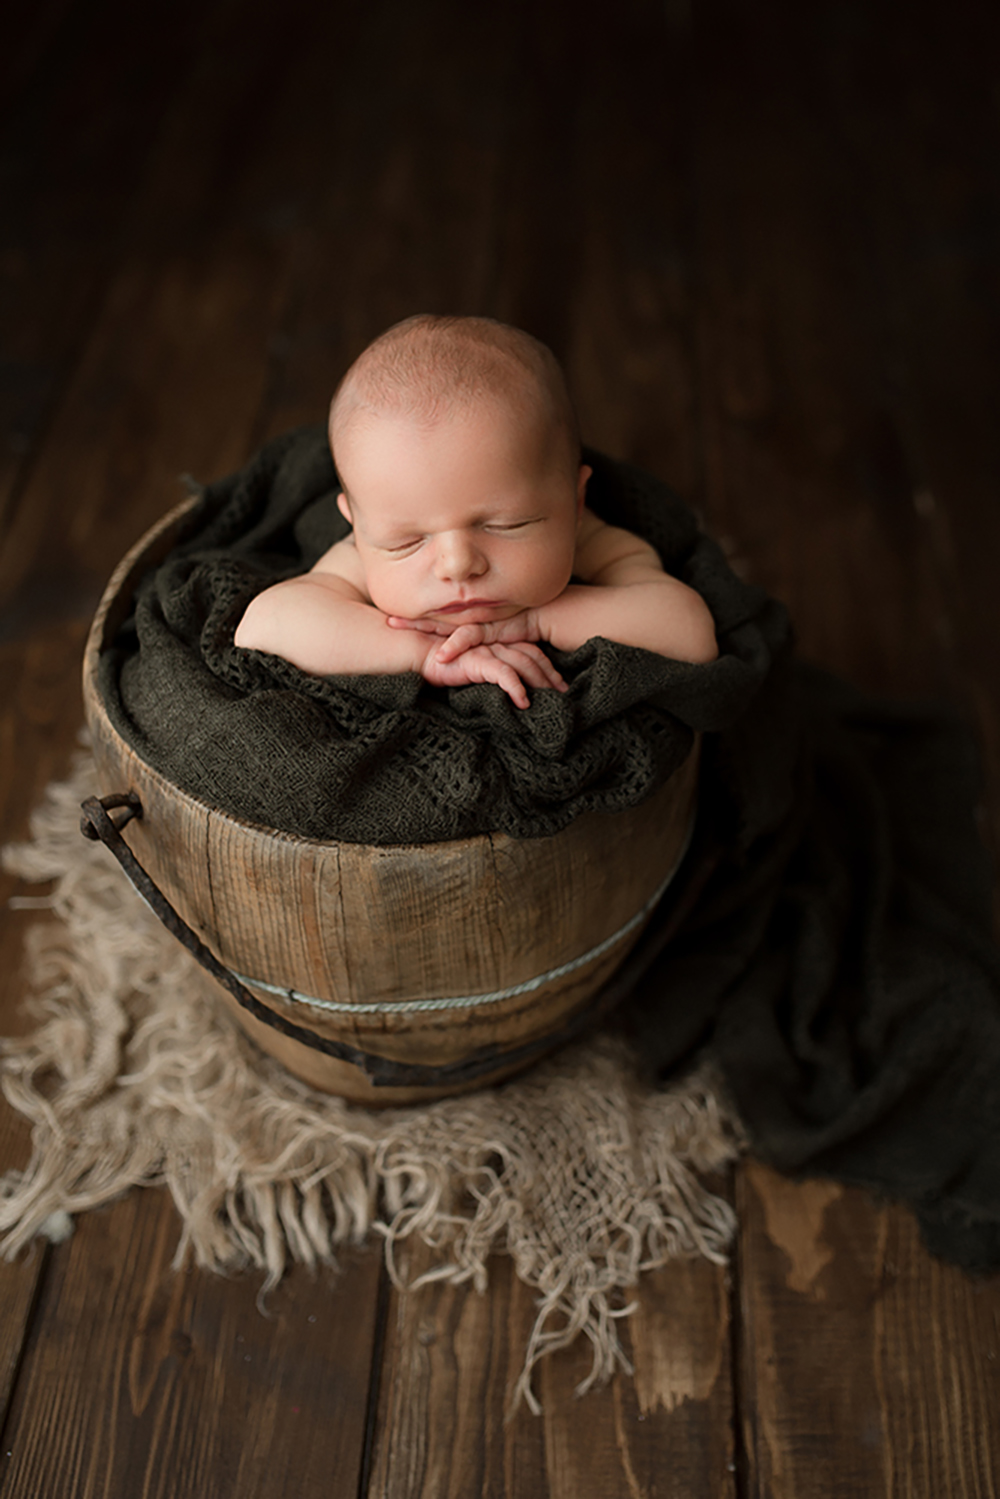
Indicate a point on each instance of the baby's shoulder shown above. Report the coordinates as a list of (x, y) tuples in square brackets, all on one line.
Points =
[(598, 545), (342, 561)]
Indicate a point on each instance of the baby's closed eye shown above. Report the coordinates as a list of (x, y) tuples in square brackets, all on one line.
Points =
[(397, 548), (503, 527)]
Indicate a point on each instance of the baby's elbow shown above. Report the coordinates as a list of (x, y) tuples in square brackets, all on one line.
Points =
[(255, 631), (700, 645), (706, 647)]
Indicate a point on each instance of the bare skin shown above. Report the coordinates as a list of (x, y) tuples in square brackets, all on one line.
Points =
[(466, 534)]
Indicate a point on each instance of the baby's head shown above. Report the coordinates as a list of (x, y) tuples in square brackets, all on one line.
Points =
[(457, 448)]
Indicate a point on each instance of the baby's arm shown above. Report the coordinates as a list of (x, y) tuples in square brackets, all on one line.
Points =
[(323, 623), (626, 596)]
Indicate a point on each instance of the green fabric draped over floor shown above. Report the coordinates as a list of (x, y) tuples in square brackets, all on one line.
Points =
[(839, 958)]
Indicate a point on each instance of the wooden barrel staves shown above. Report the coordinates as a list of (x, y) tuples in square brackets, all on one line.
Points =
[(387, 974)]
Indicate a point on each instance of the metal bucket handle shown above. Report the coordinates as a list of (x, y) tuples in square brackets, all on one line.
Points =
[(383, 1072)]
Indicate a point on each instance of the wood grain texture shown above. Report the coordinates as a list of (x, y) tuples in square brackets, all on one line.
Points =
[(73, 147), (809, 468), (453, 1355), (631, 344), (405, 213), (668, 1429), (868, 1366), (175, 365), (28, 34), (157, 1383), (816, 472), (921, 132), (39, 717), (467, 917), (20, 1280)]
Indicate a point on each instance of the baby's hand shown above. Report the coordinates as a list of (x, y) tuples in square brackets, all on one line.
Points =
[(514, 631), (508, 666)]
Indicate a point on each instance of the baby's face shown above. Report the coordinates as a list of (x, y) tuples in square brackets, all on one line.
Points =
[(462, 522)]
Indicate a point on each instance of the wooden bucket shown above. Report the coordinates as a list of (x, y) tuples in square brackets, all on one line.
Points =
[(389, 974)]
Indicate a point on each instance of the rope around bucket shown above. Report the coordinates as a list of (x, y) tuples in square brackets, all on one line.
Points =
[(474, 1001), (145, 1084)]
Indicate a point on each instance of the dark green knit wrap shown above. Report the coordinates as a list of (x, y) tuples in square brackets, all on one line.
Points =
[(387, 759)]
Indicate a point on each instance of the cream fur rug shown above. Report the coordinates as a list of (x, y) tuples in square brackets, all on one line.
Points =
[(584, 1177)]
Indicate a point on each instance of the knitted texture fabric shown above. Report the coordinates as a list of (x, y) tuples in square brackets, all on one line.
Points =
[(386, 759)]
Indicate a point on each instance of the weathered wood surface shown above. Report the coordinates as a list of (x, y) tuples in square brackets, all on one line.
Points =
[(868, 1366), (453, 1357), (144, 1380), (39, 718), (864, 1366), (765, 245)]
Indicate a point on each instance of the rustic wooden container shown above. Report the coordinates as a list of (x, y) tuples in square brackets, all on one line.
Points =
[(468, 955)]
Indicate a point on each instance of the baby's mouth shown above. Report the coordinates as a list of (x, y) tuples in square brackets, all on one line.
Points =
[(462, 604)]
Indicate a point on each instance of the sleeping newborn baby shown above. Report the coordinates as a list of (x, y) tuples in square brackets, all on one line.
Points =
[(457, 448)]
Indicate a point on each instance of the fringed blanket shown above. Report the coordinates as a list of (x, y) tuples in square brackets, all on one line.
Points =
[(579, 1172)]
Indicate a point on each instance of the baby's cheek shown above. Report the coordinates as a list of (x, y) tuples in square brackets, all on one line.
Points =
[(394, 595), (551, 578)]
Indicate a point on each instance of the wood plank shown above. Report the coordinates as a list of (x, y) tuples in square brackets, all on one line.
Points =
[(867, 1365), (39, 717), (19, 1280), (631, 346), (72, 147), (923, 141), (146, 1381), (41, 710), (815, 466), (810, 476), (28, 33), (541, 193), (171, 377), (668, 1429), (406, 215), (453, 1356), (938, 1366), (176, 367), (450, 1359)]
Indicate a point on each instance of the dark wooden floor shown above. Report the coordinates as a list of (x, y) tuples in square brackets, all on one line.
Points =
[(765, 240)]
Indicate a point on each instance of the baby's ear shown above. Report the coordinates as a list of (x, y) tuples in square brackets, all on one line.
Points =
[(344, 507)]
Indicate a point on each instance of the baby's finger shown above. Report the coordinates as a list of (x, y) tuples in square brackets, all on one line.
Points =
[(465, 638), (508, 679), (553, 677), (533, 665), (552, 672), (526, 669), (425, 626)]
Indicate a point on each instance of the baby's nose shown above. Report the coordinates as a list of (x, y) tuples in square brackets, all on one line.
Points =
[(458, 557)]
